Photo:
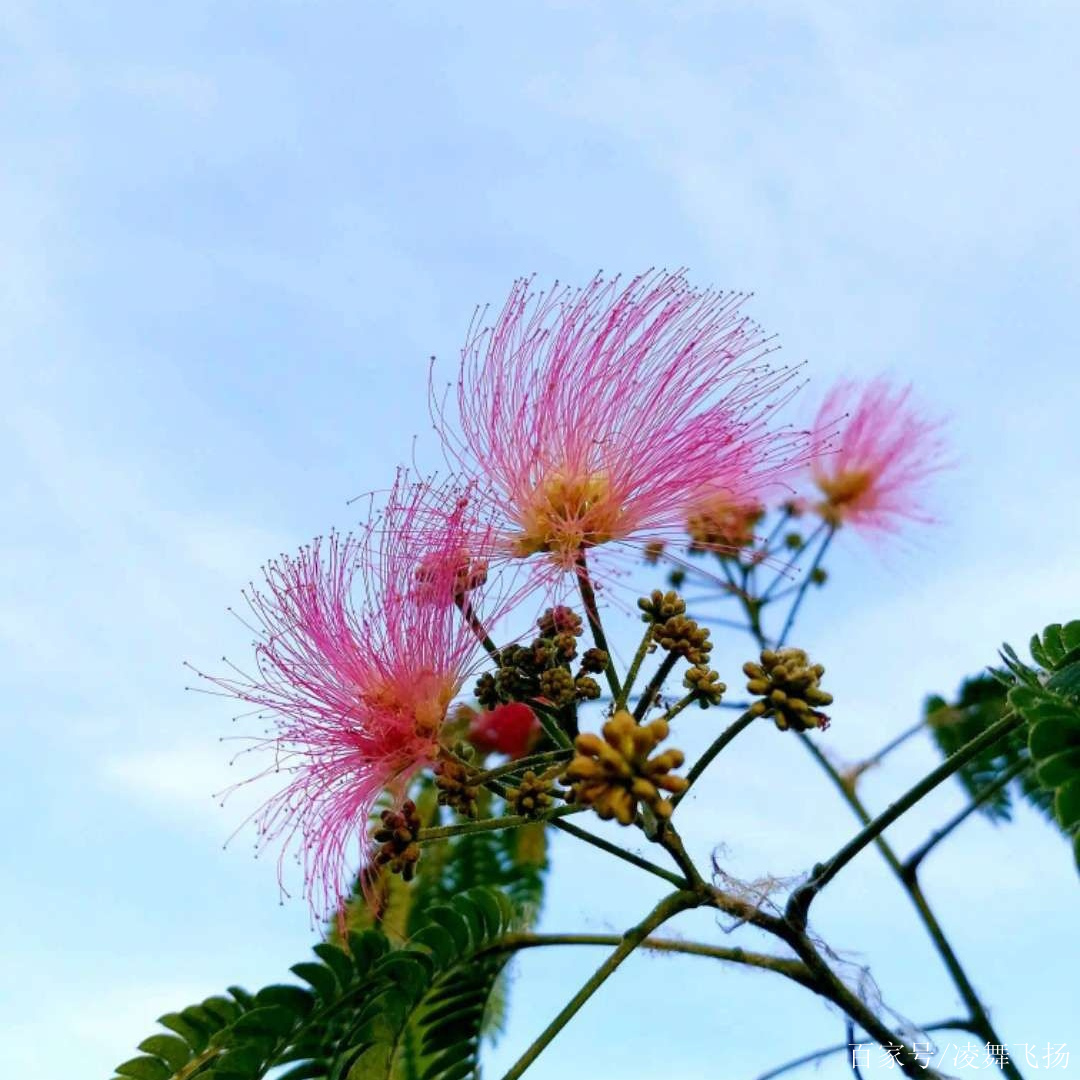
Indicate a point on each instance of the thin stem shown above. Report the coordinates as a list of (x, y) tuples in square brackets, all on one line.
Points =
[(827, 983), (827, 1051), (713, 620), (890, 746), (655, 685), (784, 518), (718, 744), (795, 970), (876, 759), (733, 586), (789, 622), (548, 757), (849, 1030), (912, 862), (491, 784), (620, 853), (511, 821), (783, 594), (669, 906), (838, 992), (552, 728), (635, 667), (592, 613), (477, 626), (681, 704), (980, 1019), (671, 841), (804, 895), (791, 563), (196, 1063)]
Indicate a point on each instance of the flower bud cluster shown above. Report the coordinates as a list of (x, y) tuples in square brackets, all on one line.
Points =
[(706, 684), (614, 773), (533, 794), (786, 684), (397, 837), (543, 668), (672, 630), (456, 789), (683, 637)]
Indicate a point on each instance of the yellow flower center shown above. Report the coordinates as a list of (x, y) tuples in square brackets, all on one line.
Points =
[(721, 522), (566, 512), (422, 702), (842, 490)]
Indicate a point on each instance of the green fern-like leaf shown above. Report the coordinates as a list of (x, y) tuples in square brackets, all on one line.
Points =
[(980, 703), (1048, 697), (369, 1011)]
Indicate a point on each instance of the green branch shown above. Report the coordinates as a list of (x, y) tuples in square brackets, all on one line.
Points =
[(592, 613), (548, 757), (911, 863), (512, 821), (620, 853), (550, 723), (681, 704), (792, 969), (770, 590), (789, 622), (718, 744), (635, 667), (477, 626), (980, 1018), (828, 1051), (804, 895), (669, 906), (655, 685)]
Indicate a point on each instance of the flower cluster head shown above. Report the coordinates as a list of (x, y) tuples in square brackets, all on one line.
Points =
[(786, 684), (672, 630), (456, 786), (533, 794), (614, 773), (541, 670), (604, 415), (360, 652), (872, 453), (720, 522), (397, 838)]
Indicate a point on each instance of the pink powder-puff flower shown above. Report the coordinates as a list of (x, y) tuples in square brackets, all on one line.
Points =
[(725, 512), (599, 416), (872, 452), (361, 650)]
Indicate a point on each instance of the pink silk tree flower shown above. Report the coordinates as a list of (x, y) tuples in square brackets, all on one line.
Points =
[(598, 416), (873, 451), (724, 514), (360, 651)]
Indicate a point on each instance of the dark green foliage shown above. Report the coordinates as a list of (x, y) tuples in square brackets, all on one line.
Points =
[(374, 1011), (513, 861), (1048, 697), (980, 703)]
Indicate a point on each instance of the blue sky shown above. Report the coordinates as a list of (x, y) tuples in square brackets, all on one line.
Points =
[(233, 235)]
